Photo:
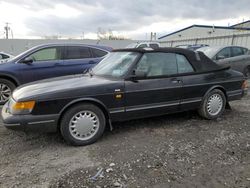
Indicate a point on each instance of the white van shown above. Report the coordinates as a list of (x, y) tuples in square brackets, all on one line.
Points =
[(153, 45)]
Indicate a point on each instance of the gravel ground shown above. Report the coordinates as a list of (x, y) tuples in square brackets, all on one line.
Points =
[(180, 150)]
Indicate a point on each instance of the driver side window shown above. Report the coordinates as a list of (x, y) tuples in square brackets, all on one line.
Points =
[(46, 54), (223, 54), (158, 64)]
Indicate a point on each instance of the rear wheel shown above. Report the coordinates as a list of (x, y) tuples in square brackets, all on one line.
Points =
[(82, 124), (213, 104), (6, 89)]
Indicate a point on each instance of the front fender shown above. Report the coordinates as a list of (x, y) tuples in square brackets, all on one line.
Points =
[(94, 101)]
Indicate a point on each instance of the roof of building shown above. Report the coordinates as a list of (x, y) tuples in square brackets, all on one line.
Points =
[(203, 26), (248, 21)]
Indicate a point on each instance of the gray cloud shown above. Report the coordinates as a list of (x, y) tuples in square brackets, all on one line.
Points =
[(127, 15)]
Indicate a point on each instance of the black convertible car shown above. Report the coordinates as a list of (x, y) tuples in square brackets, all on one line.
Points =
[(127, 84)]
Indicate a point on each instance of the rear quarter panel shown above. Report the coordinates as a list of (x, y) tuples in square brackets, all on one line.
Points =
[(196, 86)]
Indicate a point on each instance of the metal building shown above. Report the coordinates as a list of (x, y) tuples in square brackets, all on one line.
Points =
[(238, 34)]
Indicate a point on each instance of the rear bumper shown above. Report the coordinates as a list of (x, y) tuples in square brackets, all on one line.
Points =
[(41, 123)]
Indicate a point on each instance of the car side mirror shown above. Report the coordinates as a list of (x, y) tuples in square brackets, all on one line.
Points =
[(220, 57), (138, 74), (28, 60)]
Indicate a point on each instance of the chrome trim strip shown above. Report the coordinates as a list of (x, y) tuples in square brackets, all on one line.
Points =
[(150, 106), (114, 110), (186, 101), (154, 105), (38, 122), (11, 124), (235, 92)]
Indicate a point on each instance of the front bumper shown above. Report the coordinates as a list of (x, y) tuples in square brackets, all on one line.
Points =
[(44, 123)]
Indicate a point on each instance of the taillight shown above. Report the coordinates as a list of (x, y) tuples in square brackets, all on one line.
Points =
[(244, 85)]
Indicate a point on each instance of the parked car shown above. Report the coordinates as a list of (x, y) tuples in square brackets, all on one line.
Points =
[(127, 84), (235, 56), (5, 56), (192, 46), (153, 45), (46, 61)]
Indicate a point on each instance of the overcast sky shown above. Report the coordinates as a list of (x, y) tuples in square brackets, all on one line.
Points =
[(130, 18)]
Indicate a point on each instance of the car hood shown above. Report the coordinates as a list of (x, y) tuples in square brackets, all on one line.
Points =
[(66, 86)]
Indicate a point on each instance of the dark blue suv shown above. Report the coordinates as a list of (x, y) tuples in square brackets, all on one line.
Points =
[(46, 61)]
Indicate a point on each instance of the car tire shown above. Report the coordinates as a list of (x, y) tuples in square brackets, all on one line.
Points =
[(82, 124), (247, 72), (6, 89), (213, 104)]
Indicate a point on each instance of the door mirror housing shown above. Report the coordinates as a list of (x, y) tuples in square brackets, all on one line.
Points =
[(28, 60), (138, 74), (220, 57)]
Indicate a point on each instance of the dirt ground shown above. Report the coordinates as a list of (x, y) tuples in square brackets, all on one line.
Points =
[(180, 150)]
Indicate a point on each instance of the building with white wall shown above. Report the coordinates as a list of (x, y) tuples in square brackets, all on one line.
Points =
[(238, 34)]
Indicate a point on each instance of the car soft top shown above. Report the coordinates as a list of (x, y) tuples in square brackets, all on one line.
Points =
[(199, 60)]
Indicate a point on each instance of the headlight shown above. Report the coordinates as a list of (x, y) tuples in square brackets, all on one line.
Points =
[(21, 107)]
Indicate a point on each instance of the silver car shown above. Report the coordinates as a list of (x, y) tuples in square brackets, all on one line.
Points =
[(238, 58), (5, 57)]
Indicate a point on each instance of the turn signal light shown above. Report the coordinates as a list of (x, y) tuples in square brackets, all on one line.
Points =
[(244, 85), (29, 105)]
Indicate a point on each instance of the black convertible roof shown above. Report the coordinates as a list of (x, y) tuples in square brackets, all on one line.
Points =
[(199, 60)]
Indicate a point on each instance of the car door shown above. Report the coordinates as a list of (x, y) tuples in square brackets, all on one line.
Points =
[(78, 59), (223, 56), (192, 90), (159, 92), (47, 63), (238, 60)]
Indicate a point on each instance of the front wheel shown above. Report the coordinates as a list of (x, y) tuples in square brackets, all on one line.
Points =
[(82, 124), (213, 104)]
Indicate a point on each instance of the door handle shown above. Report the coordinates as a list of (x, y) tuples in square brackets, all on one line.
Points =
[(176, 81), (57, 64), (92, 62)]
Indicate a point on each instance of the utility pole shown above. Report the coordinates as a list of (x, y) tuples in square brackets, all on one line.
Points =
[(7, 29), (152, 36)]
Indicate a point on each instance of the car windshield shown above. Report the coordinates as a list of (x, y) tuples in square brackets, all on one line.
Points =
[(21, 54), (116, 64), (208, 51)]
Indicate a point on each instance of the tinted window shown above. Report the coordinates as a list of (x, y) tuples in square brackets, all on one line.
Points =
[(183, 64), (143, 46), (98, 53), (77, 52), (158, 64), (46, 54), (154, 45), (224, 53), (4, 56), (237, 51), (245, 50)]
